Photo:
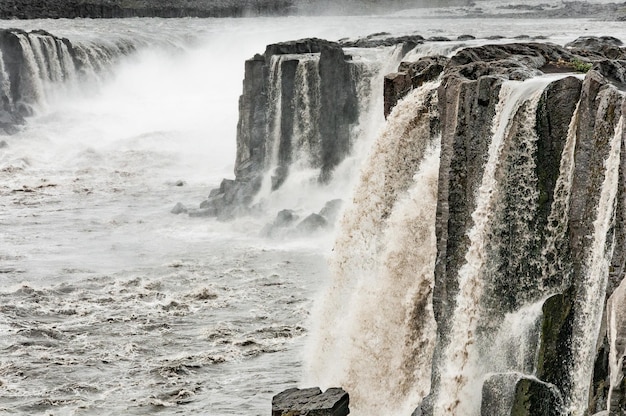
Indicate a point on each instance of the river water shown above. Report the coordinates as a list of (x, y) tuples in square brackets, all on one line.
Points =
[(110, 304)]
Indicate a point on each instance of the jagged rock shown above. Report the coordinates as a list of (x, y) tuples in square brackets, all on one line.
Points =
[(179, 208), (396, 86), (517, 395), (556, 330), (465, 37), (291, 402), (231, 198), (593, 43), (410, 75), (312, 223), (331, 210)]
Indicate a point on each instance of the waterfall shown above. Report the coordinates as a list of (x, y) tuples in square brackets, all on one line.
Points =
[(294, 114), (296, 150), (307, 150), (31, 84), (273, 126), (40, 64), (589, 318), (376, 321), (460, 392), (558, 218)]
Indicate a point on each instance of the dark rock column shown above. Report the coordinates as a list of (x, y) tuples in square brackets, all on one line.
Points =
[(339, 107), (251, 129)]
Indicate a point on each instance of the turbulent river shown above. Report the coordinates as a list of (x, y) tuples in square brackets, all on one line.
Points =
[(110, 304)]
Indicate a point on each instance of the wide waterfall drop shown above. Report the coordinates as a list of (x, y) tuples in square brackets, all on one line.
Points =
[(375, 319)]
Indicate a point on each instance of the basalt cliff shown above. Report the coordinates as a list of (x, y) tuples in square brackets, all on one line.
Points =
[(490, 214)]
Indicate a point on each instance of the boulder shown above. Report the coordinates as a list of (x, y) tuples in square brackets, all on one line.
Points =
[(283, 220), (312, 223), (331, 210), (311, 402)]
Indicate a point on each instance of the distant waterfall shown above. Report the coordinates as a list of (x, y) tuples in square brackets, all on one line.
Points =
[(32, 63), (376, 320)]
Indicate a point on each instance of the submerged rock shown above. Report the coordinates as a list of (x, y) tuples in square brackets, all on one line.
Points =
[(311, 402), (179, 208)]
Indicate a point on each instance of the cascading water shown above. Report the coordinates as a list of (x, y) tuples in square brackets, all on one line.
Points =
[(375, 320), (459, 395), (596, 279), (272, 150)]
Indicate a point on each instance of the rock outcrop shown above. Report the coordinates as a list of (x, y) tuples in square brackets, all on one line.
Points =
[(548, 248), (332, 402), (299, 99)]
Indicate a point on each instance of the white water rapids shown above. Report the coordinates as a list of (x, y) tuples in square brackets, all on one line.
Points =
[(111, 305)]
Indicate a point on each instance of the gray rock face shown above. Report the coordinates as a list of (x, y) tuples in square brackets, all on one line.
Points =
[(516, 271), (283, 221), (179, 208), (311, 402), (331, 210)]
